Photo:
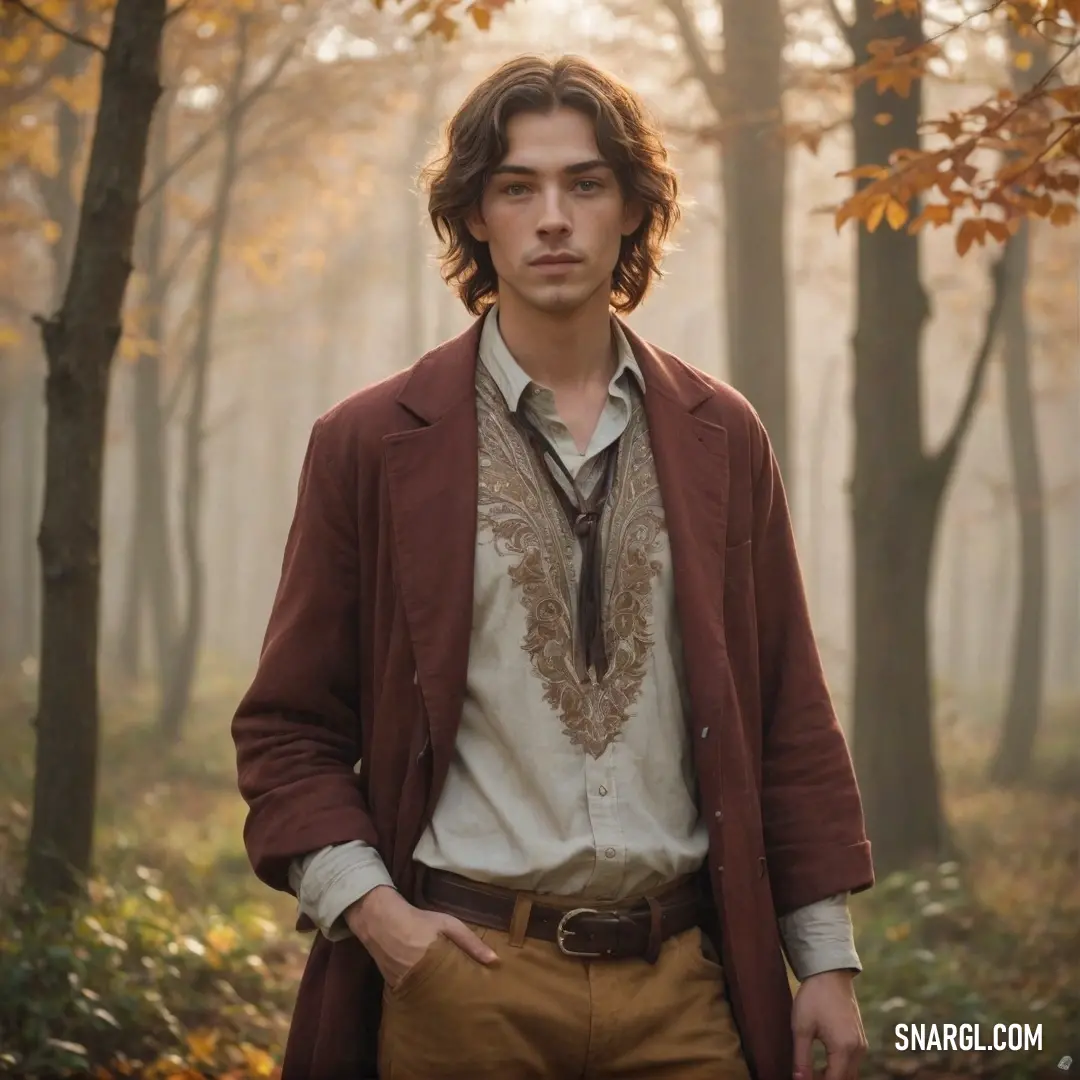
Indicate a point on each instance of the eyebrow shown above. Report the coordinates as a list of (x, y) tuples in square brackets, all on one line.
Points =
[(573, 170)]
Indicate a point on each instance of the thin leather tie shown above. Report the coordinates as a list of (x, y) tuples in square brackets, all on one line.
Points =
[(583, 516)]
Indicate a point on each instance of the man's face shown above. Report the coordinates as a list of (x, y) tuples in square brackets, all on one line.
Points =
[(553, 215)]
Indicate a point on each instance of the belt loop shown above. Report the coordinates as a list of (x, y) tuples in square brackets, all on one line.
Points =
[(519, 921), (652, 950)]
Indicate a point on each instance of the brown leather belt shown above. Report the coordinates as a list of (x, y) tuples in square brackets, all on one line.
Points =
[(608, 933)]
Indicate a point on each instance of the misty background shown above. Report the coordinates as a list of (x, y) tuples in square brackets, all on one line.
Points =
[(329, 282), (284, 260)]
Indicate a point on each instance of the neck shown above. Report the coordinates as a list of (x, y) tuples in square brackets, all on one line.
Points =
[(560, 351)]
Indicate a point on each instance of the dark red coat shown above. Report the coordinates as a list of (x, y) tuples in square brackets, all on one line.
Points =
[(366, 652)]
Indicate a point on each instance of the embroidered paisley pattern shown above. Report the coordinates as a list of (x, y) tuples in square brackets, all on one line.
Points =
[(521, 516)]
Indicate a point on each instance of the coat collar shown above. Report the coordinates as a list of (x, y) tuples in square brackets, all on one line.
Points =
[(446, 375)]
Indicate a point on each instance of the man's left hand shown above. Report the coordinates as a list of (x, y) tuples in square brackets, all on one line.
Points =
[(825, 1009)]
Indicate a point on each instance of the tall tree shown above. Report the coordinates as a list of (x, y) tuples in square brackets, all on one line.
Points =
[(181, 675), (897, 487), (80, 340), (54, 179), (423, 121), (151, 584), (745, 90), (1023, 707)]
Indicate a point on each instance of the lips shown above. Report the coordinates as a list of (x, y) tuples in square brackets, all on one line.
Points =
[(556, 260)]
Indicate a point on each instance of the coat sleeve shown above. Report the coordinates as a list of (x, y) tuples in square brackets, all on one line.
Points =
[(812, 815), (296, 731)]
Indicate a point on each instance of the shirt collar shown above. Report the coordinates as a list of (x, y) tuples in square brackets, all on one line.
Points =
[(512, 381)]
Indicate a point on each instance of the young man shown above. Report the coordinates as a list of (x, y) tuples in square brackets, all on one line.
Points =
[(539, 737)]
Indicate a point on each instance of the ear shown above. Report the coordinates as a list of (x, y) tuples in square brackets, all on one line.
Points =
[(633, 216), (474, 222)]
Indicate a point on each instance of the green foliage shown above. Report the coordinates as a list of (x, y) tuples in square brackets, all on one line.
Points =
[(188, 970), (134, 983), (991, 937), (933, 955), (179, 963)]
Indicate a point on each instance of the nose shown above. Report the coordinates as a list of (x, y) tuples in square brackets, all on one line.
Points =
[(554, 218)]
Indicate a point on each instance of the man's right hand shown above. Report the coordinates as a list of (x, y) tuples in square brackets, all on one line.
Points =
[(397, 935)]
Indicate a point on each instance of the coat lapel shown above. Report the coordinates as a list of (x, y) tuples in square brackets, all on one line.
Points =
[(692, 466), (431, 474)]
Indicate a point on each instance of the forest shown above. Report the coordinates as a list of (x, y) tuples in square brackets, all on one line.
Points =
[(211, 231)]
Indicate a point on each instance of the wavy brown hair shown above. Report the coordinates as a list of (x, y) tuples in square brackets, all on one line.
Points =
[(476, 143)]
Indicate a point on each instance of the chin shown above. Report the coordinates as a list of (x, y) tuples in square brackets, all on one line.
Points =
[(561, 299)]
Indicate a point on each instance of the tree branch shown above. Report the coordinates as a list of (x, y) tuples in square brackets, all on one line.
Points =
[(942, 462), (179, 9), (13, 96), (186, 246), (200, 143), (845, 28), (174, 396), (56, 28), (700, 63), (191, 238)]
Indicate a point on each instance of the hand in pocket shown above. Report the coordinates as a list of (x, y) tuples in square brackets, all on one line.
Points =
[(398, 935)]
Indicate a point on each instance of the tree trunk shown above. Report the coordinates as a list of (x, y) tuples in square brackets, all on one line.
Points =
[(897, 490), (30, 414), (181, 681), (416, 236), (1067, 623), (150, 520), (229, 560), (995, 610), (1012, 761), (1013, 758), (9, 654), (818, 525), (58, 197), (958, 599), (753, 174), (128, 646), (80, 340), (894, 507), (746, 98)]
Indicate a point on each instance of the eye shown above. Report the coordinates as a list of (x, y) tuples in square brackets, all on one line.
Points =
[(588, 186), (515, 188)]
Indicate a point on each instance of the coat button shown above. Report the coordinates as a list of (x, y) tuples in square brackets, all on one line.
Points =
[(719, 815), (704, 732)]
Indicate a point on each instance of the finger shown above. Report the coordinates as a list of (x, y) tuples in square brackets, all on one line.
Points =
[(857, 1056), (804, 1055), (466, 940), (840, 1066)]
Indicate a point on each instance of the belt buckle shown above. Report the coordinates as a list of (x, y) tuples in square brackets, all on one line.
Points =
[(562, 931)]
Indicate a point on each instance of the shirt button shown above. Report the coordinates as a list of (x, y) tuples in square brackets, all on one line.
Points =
[(603, 790), (610, 853)]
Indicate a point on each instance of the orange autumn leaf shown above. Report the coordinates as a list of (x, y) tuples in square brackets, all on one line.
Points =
[(896, 213), (971, 231)]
